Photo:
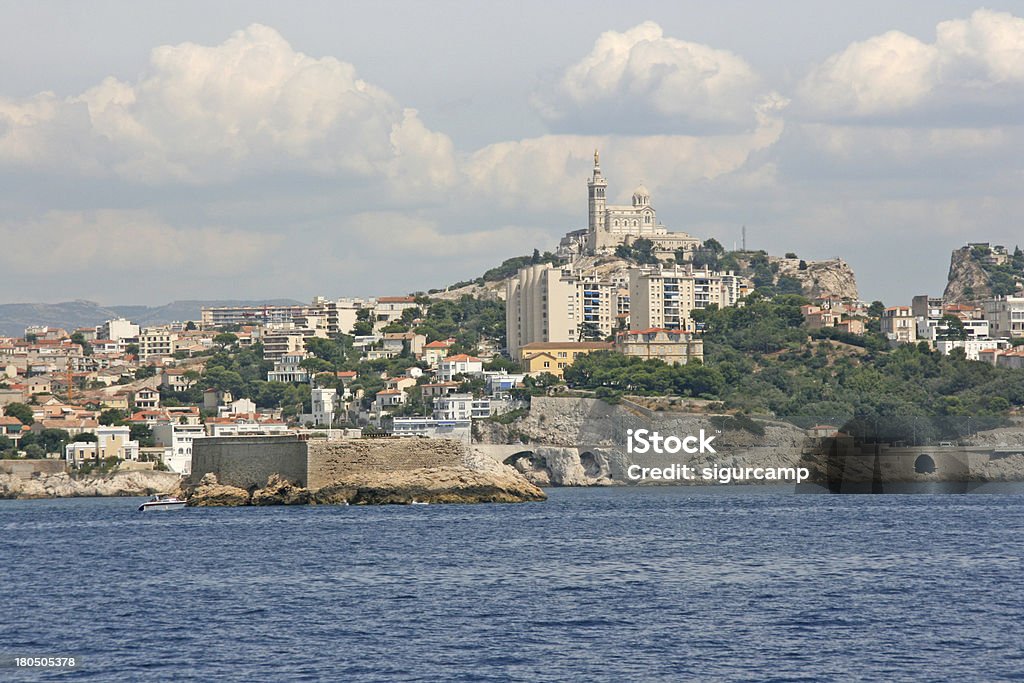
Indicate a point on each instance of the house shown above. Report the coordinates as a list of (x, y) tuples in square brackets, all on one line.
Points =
[(402, 341), (461, 407), (434, 389), (12, 428), (899, 325), (179, 439), (429, 428), (177, 379), (147, 399), (435, 351), (675, 347), (400, 383), (553, 357), (111, 442), (460, 364)]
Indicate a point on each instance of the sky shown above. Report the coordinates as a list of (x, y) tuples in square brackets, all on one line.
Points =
[(161, 151)]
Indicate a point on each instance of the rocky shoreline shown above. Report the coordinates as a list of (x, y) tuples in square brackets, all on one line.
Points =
[(63, 485)]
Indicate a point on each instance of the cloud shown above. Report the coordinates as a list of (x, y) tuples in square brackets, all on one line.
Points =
[(639, 82), (124, 243), (548, 174), (972, 73), (210, 114)]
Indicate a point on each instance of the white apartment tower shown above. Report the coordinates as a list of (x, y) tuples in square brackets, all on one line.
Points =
[(665, 297)]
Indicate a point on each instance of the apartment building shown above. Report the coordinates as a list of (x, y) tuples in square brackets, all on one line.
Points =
[(665, 297)]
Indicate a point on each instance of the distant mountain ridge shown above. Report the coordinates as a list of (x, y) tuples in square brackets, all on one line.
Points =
[(14, 318)]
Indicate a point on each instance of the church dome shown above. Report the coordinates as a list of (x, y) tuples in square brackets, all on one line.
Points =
[(641, 197)]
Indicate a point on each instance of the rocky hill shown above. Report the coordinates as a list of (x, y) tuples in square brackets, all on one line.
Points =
[(979, 271), (832, 278), (814, 279)]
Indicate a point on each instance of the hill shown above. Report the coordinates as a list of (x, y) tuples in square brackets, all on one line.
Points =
[(14, 318), (980, 271)]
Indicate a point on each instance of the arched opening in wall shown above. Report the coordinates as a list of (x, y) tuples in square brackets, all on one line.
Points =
[(925, 464), (591, 467), (527, 459)]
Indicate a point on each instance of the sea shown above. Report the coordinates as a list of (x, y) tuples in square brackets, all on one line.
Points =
[(729, 583)]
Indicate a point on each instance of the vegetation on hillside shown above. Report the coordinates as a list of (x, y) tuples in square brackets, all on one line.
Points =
[(760, 359), (1003, 278)]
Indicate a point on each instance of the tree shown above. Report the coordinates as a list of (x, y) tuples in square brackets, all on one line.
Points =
[(143, 434), (876, 309), (20, 411), (132, 350), (363, 325), (790, 254), (225, 339), (79, 338), (190, 326), (145, 372), (34, 451), (112, 416), (950, 328)]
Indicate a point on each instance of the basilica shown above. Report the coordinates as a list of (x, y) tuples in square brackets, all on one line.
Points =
[(612, 225)]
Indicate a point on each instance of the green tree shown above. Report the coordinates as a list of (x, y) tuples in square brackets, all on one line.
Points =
[(112, 416), (225, 339), (950, 328), (20, 411), (145, 372), (143, 434)]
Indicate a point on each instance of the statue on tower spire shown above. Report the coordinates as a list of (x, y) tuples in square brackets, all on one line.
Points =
[(597, 159)]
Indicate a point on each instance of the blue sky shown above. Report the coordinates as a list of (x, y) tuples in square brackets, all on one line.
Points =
[(161, 151)]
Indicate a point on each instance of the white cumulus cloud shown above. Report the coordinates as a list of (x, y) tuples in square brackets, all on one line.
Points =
[(974, 71), (640, 81), (249, 106)]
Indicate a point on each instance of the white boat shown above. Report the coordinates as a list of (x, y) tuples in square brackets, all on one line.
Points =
[(419, 502), (162, 501)]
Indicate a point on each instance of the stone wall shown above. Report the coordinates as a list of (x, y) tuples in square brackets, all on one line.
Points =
[(247, 461), (26, 468), (328, 459)]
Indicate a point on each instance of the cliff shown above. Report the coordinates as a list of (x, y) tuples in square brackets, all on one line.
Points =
[(981, 271), (61, 485), (820, 279), (581, 441), (967, 280)]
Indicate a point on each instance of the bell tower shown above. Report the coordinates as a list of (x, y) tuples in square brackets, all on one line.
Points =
[(596, 187)]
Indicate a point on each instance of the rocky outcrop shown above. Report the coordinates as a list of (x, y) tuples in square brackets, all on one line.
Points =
[(210, 493), (489, 483), (967, 280), (832, 278), (62, 485)]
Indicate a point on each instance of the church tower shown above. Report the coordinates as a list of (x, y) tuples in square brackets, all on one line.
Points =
[(596, 187)]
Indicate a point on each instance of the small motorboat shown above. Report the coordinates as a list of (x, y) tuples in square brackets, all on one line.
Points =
[(419, 502), (162, 501)]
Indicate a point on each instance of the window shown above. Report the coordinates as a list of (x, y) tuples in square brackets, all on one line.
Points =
[(547, 364)]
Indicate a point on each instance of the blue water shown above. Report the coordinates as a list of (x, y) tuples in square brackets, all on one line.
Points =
[(623, 584)]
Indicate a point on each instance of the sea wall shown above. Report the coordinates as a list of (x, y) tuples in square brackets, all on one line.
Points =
[(326, 460), (248, 461), (287, 471)]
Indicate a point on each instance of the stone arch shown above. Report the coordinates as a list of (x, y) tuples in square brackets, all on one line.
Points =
[(925, 464), (515, 457)]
